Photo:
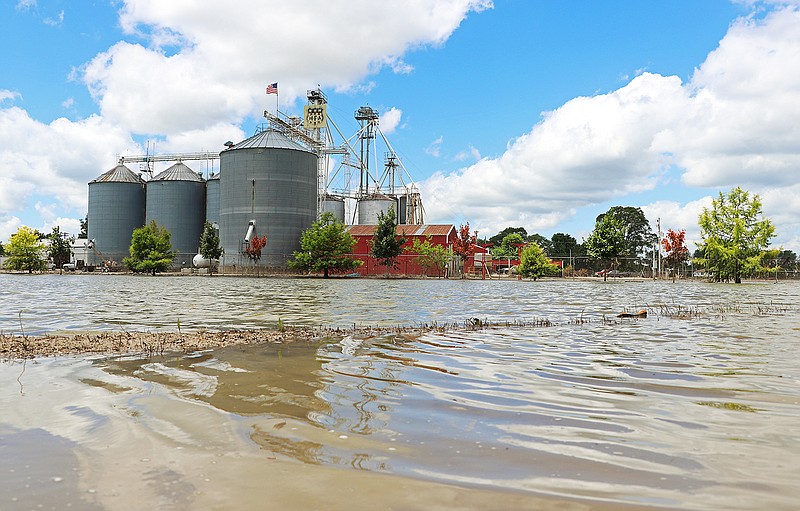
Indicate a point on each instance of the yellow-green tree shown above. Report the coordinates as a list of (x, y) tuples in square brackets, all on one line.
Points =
[(325, 247), (151, 249), (735, 235), (534, 263), (25, 250), (430, 256)]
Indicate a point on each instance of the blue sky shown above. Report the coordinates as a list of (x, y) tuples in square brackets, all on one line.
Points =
[(506, 113)]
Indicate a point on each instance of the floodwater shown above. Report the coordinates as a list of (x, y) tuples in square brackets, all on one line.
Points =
[(695, 407)]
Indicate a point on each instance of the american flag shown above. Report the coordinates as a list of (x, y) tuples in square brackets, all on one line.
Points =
[(272, 88)]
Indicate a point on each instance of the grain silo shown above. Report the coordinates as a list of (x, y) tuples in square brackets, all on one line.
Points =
[(212, 199), (333, 204), (369, 206), (271, 181), (116, 208), (176, 200)]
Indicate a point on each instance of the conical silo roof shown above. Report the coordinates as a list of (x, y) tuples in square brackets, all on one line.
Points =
[(178, 172), (119, 174), (268, 139)]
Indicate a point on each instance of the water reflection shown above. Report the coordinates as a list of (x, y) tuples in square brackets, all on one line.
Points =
[(594, 410)]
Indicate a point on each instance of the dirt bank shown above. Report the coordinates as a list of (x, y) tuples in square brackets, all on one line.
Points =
[(148, 343)]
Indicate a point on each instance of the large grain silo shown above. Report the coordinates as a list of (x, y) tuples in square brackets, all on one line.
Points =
[(116, 208), (212, 199), (271, 181), (176, 200), (369, 207)]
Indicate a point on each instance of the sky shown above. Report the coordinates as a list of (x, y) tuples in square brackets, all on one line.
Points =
[(532, 113)]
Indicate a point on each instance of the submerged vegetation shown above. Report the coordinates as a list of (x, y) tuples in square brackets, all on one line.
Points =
[(159, 343)]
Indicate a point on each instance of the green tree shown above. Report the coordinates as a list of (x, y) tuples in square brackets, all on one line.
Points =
[(787, 260), (734, 235), (60, 249), (151, 249), (497, 239), (84, 227), (430, 256), (544, 243), (386, 246), (534, 263), (325, 246), (565, 245), (2, 250), (26, 251), (607, 241), (509, 247), (209, 246), (639, 236)]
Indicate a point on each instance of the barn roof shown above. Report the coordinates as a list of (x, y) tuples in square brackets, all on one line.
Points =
[(410, 230)]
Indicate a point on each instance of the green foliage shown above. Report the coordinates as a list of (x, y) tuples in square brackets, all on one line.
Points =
[(430, 256), (639, 236), (540, 240), (607, 241), (386, 246), (564, 245), (508, 247), (497, 239), (60, 249), (151, 249), (209, 246), (26, 251), (325, 247), (534, 263), (84, 227), (734, 235), (2, 250)]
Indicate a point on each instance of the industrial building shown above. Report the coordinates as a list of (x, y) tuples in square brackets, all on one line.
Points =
[(274, 184)]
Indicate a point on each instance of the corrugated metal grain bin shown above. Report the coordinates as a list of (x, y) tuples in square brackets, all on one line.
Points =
[(369, 207), (212, 199), (116, 208), (176, 200), (334, 205), (271, 180)]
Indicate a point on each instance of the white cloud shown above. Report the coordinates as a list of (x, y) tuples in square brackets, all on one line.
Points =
[(471, 153), (54, 22), (435, 148), (8, 226), (677, 216), (55, 159), (734, 124), (25, 4), (588, 151), (8, 95), (204, 68), (390, 119)]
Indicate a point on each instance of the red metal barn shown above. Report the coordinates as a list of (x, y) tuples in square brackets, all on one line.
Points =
[(406, 264)]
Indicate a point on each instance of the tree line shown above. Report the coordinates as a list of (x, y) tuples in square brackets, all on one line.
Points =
[(735, 238)]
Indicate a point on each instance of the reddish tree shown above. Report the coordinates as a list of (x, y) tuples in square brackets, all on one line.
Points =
[(674, 244), (464, 245), (253, 249)]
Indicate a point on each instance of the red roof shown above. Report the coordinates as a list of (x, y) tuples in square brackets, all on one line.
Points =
[(410, 230)]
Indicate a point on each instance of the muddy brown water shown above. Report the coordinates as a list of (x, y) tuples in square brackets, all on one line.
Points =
[(695, 407)]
